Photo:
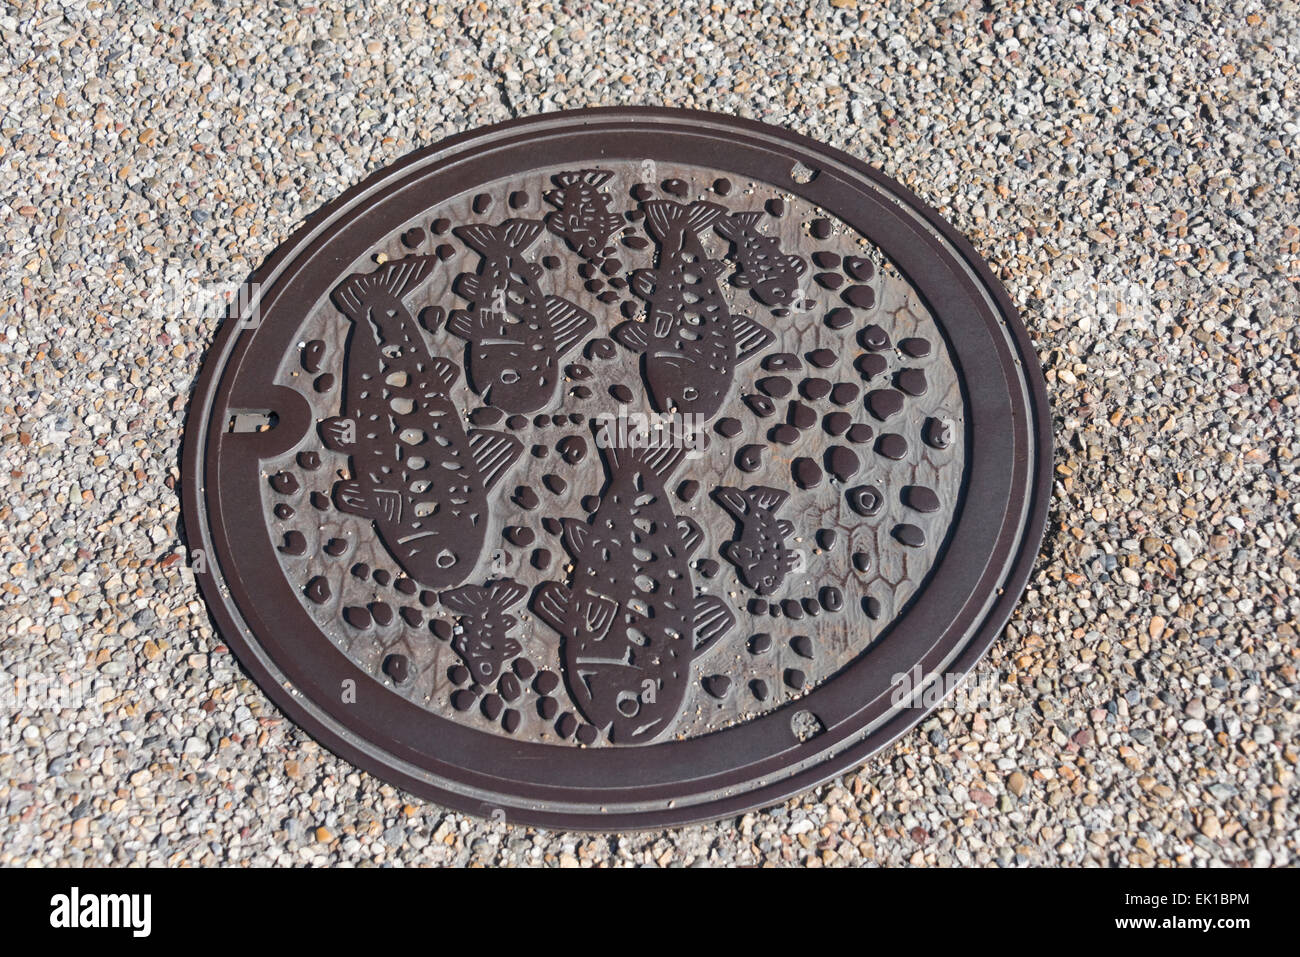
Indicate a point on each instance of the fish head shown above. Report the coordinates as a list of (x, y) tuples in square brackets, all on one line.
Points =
[(678, 381), (523, 384), (434, 560)]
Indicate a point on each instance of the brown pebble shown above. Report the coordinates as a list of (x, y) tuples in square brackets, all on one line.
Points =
[(541, 558), (920, 498), (590, 503), (909, 535), (778, 387), (621, 393), (832, 598), (759, 689), (837, 423), (318, 590), (284, 483), (911, 381), (826, 538), (776, 206), (517, 423), (750, 458), (397, 667), (860, 297), (760, 405), (841, 462), (802, 646), (782, 362), (722, 186), (859, 433), (760, 643), (865, 500), (485, 417), (554, 483), (892, 446), (839, 318), (844, 392), (829, 280), (728, 427), (859, 268), (295, 543), (936, 433), (792, 609), (572, 448), (600, 349), (871, 365), (883, 403), (717, 685), (915, 347), (784, 434), (862, 561), (313, 355), (874, 338), (520, 536), (806, 473), (822, 358), (688, 490), (801, 416), (795, 678), (815, 389), (525, 497)]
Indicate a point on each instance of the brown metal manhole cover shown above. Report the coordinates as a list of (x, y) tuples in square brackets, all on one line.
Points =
[(607, 469)]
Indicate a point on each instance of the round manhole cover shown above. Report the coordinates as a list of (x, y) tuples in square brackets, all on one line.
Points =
[(608, 469)]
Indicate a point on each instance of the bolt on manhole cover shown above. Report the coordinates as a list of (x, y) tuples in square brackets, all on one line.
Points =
[(607, 469)]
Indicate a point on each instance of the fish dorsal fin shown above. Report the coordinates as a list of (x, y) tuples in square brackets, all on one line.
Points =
[(354, 498), (465, 600), (520, 234), (596, 177), (733, 500), (658, 459), (468, 324), (692, 534), (505, 593), (702, 215), (750, 336), (551, 604), (784, 527), (493, 453), (767, 498), (516, 235), (747, 219), (396, 278), (575, 535), (568, 322), (443, 372), (712, 619), (632, 334)]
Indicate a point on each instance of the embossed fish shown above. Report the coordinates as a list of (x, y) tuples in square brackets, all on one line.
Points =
[(517, 334), (690, 342), (417, 474), (583, 219), (630, 620), (771, 274), (481, 636), (759, 554)]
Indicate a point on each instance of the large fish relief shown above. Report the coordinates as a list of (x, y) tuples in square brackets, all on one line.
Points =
[(415, 472), (690, 342), (629, 618), (759, 553), (771, 274), (517, 334)]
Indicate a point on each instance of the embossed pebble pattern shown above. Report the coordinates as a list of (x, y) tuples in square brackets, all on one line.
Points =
[(1137, 201)]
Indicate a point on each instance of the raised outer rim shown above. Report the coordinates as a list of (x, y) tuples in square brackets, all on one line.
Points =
[(305, 714)]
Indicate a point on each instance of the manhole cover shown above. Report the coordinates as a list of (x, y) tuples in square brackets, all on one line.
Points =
[(607, 469)]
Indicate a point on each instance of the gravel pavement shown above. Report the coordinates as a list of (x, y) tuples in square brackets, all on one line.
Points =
[(1128, 169)]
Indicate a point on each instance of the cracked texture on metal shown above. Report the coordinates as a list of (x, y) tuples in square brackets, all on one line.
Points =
[(614, 452)]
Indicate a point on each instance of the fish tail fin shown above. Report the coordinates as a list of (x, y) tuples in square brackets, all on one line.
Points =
[(735, 226), (736, 502), (470, 324), (750, 337), (596, 177), (701, 215), (712, 619), (657, 455), (396, 278), (493, 453), (568, 323), (551, 604), (505, 592), (515, 234), (662, 216), (465, 600), (692, 534), (766, 498)]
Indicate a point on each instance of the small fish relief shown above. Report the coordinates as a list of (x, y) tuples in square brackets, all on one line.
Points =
[(583, 219), (415, 472), (517, 333), (759, 554), (481, 637), (771, 274)]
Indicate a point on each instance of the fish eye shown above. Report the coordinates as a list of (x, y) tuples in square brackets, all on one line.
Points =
[(445, 559), (509, 377), (690, 393)]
